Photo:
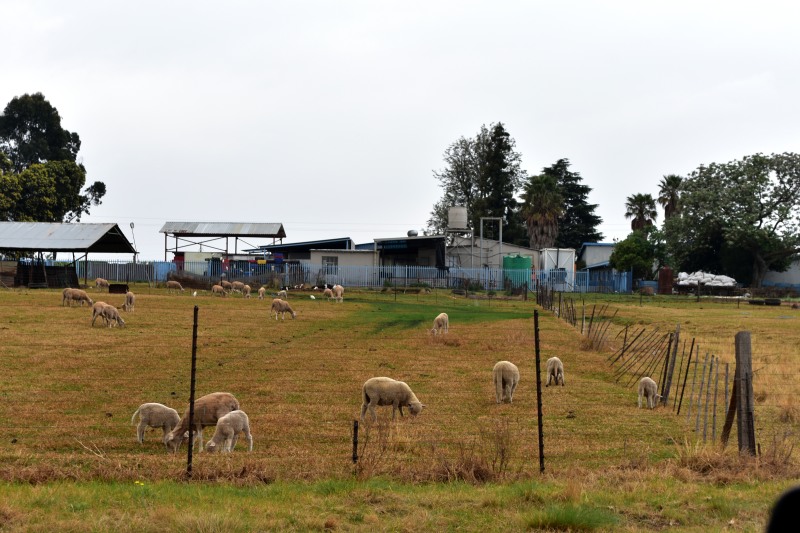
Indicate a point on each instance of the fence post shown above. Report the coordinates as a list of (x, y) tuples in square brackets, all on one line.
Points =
[(538, 390), (686, 376), (708, 397), (355, 441), (700, 392), (191, 395), (673, 357), (743, 379), (714, 417)]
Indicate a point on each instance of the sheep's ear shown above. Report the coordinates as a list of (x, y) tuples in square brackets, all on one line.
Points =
[(186, 435)]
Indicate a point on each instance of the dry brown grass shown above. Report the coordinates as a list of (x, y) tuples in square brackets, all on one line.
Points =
[(69, 389)]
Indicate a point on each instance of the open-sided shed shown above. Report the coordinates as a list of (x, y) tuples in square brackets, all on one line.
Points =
[(54, 237), (186, 234)]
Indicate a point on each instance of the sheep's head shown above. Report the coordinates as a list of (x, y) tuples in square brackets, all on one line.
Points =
[(415, 408), (294, 314), (174, 441), (211, 447)]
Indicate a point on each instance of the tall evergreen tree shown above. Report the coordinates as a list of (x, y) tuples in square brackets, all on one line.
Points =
[(578, 221)]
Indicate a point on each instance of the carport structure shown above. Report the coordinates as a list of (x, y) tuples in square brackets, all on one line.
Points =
[(40, 237), (188, 234)]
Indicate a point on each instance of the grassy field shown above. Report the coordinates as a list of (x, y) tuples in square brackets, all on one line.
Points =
[(70, 458)]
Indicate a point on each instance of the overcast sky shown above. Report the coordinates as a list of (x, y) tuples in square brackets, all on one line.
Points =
[(331, 116)]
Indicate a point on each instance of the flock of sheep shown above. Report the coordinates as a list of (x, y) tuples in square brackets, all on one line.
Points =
[(222, 409)]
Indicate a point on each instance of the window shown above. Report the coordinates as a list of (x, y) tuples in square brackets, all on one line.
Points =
[(330, 264)]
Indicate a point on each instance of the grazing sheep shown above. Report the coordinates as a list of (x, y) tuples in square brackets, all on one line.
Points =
[(155, 415), (283, 294), (555, 370), (649, 391), (262, 292), (111, 315), (97, 311), (328, 293), (282, 307), (130, 301), (227, 432), (172, 284), (237, 286), (75, 295), (505, 376), (440, 324), (387, 391), (246, 291), (207, 410), (218, 289), (338, 293), (227, 285), (101, 284)]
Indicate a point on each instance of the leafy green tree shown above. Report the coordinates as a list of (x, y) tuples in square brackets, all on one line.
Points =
[(542, 205), (745, 210), (641, 208), (635, 253), (41, 180), (483, 174), (578, 222), (669, 195)]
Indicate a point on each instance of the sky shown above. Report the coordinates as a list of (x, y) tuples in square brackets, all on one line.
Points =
[(331, 117)]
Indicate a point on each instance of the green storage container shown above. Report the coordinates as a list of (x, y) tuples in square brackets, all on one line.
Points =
[(516, 269)]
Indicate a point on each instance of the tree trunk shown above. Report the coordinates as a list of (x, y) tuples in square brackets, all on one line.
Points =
[(759, 271)]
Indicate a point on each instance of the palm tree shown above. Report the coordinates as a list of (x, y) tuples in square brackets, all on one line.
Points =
[(669, 194), (542, 204), (642, 209)]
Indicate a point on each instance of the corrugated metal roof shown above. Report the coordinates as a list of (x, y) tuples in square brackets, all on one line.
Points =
[(59, 237), (224, 229)]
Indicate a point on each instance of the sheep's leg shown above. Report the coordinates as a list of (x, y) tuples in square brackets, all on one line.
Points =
[(249, 438), (549, 377), (640, 400), (511, 396), (363, 410), (498, 390), (140, 431)]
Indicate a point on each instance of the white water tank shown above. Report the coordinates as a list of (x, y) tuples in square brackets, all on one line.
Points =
[(457, 218)]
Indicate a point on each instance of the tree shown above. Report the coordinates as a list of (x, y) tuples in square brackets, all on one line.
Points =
[(31, 132), (482, 174), (39, 177), (746, 209), (642, 209), (669, 195), (542, 205), (635, 253), (578, 222)]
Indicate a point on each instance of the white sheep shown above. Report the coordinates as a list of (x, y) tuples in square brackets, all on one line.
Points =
[(262, 292), (555, 370), (283, 294), (648, 389), (237, 286), (207, 410), (100, 284), (505, 376), (328, 293), (227, 285), (441, 324), (111, 315), (174, 285), (387, 391), (282, 307), (75, 295), (130, 301), (97, 311), (227, 432), (246, 290), (338, 293), (155, 415), (218, 289)]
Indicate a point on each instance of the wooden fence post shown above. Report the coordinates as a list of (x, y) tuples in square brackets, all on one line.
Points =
[(538, 390), (744, 409), (671, 371)]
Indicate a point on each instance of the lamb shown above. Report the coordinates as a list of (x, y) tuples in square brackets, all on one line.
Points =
[(97, 311), (100, 284), (111, 315), (130, 301), (555, 370), (155, 415), (261, 292), (283, 294), (505, 375), (440, 324), (387, 391), (218, 289), (75, 295), (328, 293), (246, 291), (282, 307), (237, 286), (648, 389), (208, 410), (228, 429), (338, 293), (227, 285), (172, 284)]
